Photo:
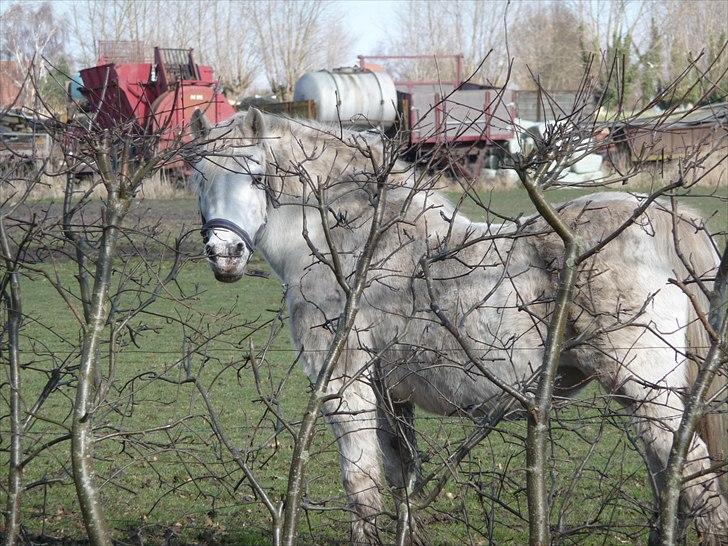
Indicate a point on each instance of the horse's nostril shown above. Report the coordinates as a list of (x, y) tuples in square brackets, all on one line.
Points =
[(239, 248), (210, 252)]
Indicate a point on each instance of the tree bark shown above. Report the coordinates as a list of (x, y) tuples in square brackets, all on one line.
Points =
[(82, 425), (11, 295), (539, 408)]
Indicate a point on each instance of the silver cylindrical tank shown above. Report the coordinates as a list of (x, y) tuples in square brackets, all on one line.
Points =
[(360, 98)]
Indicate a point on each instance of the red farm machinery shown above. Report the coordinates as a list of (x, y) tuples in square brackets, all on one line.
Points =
[(152, 96)]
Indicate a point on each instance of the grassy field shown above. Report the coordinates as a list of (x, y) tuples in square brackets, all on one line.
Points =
[(195, 494)]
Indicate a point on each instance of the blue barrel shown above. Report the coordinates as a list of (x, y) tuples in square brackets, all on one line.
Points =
[(74, 88)]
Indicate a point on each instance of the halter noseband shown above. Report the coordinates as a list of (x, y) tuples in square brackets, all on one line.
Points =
[(221, 223)]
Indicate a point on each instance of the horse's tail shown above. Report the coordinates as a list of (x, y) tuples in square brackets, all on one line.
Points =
[(713, 426), (698, 250)]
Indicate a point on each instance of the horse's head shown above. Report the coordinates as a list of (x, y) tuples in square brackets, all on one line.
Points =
[(230, 178)]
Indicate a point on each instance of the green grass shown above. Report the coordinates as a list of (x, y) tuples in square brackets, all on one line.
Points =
[(146, 487), (712, 203)]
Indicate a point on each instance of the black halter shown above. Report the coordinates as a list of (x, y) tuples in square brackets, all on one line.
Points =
[(221, 223)]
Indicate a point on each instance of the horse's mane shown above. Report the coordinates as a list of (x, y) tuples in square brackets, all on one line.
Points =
[(286, 136), (344, 144), (326, 151)]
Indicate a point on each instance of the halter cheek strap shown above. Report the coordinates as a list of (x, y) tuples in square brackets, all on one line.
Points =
[(221, 223)]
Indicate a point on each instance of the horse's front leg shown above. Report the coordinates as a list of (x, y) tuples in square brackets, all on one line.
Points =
[(352, 416), (398, 442)]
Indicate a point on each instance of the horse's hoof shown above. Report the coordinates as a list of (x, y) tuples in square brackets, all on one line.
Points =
[(364, 533), (416, 535)]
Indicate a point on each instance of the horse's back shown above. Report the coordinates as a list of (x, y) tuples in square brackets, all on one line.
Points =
[(633, 319), (500, 293)]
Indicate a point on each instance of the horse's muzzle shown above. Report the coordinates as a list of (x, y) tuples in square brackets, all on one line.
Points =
[(226, 278), (227, 259)]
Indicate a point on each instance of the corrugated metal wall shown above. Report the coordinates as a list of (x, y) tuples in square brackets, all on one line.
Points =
[(534, 105)]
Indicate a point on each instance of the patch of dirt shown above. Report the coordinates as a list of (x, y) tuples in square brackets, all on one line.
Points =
[(150, 229)]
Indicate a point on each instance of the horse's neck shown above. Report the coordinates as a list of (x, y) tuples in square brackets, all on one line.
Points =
[(287, 251)]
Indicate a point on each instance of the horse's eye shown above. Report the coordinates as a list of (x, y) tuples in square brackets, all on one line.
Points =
[(257, 179)]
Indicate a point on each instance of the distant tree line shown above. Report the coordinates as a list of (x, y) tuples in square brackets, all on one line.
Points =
[(631, 47), (241, 40)]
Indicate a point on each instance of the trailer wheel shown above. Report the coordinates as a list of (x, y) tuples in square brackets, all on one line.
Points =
[(467, 162), (471, 164)]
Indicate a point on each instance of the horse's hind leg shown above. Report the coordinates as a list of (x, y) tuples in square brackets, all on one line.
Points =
[(656, 415), (398, 442), (353, 420), (647, 381)]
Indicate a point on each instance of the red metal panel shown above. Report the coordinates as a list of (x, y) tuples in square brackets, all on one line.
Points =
[(471, 115), (206, 73), (172, 111), (119, 93), (153, 96)]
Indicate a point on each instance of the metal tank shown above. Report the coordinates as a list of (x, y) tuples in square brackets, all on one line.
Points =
[(360, 98)]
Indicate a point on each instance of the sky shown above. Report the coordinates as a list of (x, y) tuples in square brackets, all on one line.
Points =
[(365, 19), (368, 20)]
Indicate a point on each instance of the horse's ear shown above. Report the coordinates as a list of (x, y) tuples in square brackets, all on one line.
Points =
[(254, 125), (199, 125)]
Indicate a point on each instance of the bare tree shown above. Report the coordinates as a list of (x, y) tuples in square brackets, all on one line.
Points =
[(121, 159), (613, 32), (680, 24), (543, 46), (475, 29), (95, 21), (30, 37), (12, 305), (229, 48), (293, 37)]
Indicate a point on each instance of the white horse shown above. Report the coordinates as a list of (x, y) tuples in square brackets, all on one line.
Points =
[(492, 286)]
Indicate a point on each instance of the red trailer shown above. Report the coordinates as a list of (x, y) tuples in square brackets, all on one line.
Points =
[(160, 95), (474, 121)]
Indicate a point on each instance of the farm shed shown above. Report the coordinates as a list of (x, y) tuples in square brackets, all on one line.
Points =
[(663, 137), (537, 105)]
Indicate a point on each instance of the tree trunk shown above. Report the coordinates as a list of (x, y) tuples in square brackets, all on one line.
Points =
[(82, 426)]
